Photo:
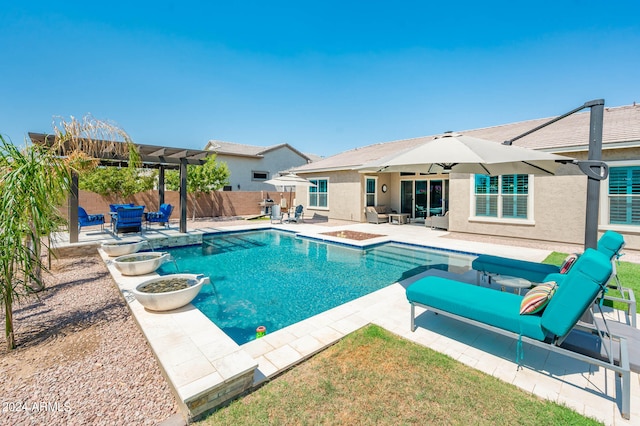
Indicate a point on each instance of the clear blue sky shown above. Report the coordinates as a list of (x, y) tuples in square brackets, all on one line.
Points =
[(324, 76)]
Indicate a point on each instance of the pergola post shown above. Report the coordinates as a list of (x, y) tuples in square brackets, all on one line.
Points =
[(73, 205), (161, 184), (183, 195)]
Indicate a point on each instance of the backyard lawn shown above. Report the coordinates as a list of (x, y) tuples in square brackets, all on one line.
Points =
[(374, 377)]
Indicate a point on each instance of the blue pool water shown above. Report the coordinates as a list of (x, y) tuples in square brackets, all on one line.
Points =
[(275, 279)]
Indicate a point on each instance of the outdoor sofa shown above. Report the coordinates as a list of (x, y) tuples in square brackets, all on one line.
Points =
[(499, 312), (378, 214)]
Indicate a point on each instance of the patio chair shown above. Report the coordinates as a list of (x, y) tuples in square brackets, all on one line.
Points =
[(610, 244), (128, 219), (85, 219), (499, 312), (441, 222), (162, 216), (276, 214), (297, 214)]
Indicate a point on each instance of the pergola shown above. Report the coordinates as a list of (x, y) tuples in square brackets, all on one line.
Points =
[(151, 156)]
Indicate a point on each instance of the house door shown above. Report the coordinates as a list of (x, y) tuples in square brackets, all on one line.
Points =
[(406, 197)]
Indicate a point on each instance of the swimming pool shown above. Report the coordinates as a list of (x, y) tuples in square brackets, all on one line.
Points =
[(275, 279)]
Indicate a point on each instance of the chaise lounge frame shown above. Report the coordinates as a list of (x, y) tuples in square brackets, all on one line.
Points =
[(430, 293)]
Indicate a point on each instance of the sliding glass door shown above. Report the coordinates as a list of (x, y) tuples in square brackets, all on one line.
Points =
[(422, 198)]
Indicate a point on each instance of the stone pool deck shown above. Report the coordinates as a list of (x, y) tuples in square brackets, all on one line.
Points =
[(205, 367)]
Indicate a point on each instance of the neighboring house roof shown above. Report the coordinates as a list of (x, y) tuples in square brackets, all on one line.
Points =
[(241, 150), (621, 128)]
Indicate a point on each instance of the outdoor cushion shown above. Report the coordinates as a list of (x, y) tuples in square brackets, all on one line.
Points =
[(568, 262), (532, 271), (580, 287), (537, 298), (488, 306), (610, 244)]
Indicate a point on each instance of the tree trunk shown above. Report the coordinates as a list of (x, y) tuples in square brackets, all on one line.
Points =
[(8, 324)]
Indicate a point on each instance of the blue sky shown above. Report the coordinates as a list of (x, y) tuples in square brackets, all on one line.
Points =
[(324, 76)]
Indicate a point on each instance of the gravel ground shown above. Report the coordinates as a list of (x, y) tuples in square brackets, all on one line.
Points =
[(81, 358)]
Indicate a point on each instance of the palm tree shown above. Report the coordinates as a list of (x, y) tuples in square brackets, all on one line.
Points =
[(34, 183)]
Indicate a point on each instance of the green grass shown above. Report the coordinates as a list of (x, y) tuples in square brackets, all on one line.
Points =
[(373, 377), (628, 273)]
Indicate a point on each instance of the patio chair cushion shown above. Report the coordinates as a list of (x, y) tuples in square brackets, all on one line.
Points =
[(537, 298)]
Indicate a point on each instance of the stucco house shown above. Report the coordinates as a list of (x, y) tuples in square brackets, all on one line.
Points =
[(548, 208), (250, 166)]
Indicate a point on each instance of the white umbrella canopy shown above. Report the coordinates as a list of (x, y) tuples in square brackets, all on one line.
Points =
[(454, 153), (289, 180)]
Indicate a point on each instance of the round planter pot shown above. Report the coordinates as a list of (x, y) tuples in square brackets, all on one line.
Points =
[(168, 300), (140, 263), (119, 248)]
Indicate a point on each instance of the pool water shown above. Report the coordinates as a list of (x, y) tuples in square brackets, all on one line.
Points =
[(275, 279)]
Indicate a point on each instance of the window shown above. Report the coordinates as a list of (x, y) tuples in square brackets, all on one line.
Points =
[(370, 192), (260, 175), (624, 195), (319, 195), (504, 196)]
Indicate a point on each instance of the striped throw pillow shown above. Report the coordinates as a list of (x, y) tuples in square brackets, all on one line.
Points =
[(537, 298)]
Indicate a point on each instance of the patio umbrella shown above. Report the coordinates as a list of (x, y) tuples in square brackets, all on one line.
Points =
[(290, 180), (455, 153)]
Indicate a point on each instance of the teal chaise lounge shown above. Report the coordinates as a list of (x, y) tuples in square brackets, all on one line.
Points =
[(610, 244), (500, 311)]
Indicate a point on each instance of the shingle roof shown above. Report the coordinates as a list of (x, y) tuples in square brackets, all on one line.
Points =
[(621, 124), (241, 150)]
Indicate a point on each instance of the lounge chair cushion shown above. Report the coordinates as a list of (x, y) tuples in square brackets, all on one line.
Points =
[(577, 292), (610, 244), (532, 271), (496, 308), (537, 298)]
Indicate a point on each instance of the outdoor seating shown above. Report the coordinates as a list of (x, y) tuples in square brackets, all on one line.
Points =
[(440, 222), (276, 214), (378, 214), (610, 244), (85, 219), (128, 219), (499, 312), (297, 214), (162, 216)]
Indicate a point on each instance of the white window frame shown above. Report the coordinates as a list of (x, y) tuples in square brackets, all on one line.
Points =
[(499, 219), (309, 206), (604, 200), (254, 178), (375, 190)]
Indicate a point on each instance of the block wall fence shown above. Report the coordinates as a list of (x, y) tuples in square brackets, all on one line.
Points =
[(213, 204)]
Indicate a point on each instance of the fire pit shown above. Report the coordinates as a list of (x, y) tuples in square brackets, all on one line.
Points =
[(140, 263), (170, 291)]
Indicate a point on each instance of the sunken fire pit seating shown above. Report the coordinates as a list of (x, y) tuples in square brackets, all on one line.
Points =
[(546, 327)]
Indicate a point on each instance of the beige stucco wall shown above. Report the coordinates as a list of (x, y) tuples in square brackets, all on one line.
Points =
[(558, 211)]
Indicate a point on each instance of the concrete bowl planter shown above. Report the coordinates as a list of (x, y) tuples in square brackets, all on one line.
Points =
[(158, 294), (119, 248), (140, 263)]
